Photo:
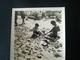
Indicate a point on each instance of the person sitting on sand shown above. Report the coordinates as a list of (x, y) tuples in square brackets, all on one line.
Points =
[(36, 31), (54, 31)]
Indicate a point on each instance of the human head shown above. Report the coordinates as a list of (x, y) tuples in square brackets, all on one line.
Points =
[(53, 23), (37, 25)]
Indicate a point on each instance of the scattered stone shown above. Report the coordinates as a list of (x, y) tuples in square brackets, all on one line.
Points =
[(23, 52), (57, 55), (59, 50), (28, 58), (48, 51), (33, 58), (39, 56), (60, 45)]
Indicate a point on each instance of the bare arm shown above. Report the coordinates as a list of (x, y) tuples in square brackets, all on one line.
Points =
[(49, 31)]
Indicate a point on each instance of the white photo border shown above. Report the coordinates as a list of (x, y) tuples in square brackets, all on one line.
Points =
[(36, 9)]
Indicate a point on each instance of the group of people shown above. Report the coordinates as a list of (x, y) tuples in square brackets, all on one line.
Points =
[(52, 34)]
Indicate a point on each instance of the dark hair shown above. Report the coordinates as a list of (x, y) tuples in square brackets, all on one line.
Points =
[(53, 22), (36, 24)]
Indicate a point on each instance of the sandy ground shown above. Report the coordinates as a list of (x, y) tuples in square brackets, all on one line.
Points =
[(26, 48)]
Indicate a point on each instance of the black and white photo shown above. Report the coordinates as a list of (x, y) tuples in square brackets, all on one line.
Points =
[(38, 34)]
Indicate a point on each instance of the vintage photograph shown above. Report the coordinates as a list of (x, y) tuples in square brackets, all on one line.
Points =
[(38, 34)]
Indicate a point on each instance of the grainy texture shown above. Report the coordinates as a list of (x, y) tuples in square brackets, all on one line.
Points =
[(33, 43)]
